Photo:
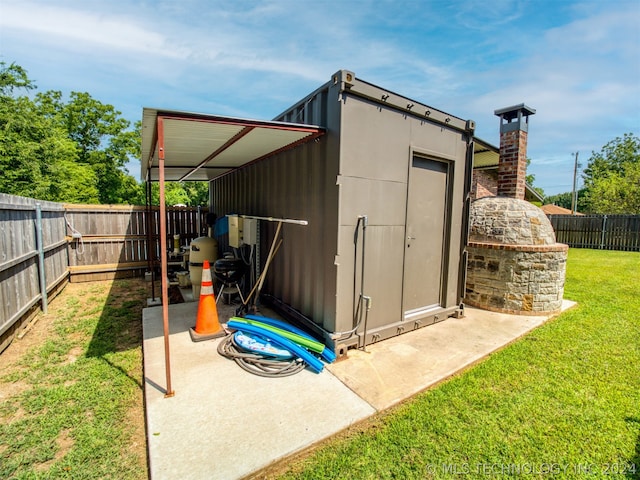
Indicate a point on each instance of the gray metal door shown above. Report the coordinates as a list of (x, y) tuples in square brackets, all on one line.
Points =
[(426, 240)]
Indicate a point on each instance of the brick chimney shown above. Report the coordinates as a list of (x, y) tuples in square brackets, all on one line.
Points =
[(512, 168)]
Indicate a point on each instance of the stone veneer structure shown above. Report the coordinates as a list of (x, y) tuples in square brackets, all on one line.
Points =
[(514, 263)]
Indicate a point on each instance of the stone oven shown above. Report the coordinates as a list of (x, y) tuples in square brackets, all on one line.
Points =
[(514, 263)]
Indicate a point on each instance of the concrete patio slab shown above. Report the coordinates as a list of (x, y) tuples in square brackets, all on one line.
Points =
[(395, 369), (225, 423)]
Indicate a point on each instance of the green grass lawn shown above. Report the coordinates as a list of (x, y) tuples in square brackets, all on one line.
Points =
[(564, 402), (71, 389)]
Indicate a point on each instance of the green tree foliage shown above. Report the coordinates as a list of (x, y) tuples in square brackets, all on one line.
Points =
[(36, 157), (561, 199), (564, 200), (530, 178), (197, 193), (191, 194), (71, 151), (102, 138), (612, 177), (13, 76)]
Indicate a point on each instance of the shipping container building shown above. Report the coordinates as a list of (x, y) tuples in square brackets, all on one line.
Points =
[(385, 192)]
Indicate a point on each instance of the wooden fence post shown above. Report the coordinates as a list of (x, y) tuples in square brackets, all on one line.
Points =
[(604, 229), (41, 268)]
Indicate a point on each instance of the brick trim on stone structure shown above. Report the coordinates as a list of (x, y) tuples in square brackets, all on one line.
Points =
[(556, 247)]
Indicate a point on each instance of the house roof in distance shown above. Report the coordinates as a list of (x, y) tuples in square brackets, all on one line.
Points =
[(551, 209)]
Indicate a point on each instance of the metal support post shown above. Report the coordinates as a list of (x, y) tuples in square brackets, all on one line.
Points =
[(163, 257)]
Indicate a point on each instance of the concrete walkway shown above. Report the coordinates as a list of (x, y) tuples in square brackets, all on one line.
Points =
[(225, 423)]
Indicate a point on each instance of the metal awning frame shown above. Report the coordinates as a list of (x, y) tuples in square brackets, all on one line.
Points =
[(157, 149), (150, 158)]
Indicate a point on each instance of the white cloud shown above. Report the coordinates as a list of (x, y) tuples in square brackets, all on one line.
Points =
[(483, 15), (226, 40), (575, 75), (248, 58), (86, 29), (583, 78)]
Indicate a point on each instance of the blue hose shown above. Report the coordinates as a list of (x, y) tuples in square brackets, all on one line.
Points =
[(326, 354), (313, 363)]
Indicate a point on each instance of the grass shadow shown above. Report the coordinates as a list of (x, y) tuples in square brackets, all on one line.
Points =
[(76, 393), (117, 340), (119, 328)]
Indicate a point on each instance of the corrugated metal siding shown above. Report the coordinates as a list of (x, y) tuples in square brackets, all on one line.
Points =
[(299, 184), (189, 138)]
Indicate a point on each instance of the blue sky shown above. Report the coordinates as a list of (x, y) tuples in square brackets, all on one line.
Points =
[(576, 62)]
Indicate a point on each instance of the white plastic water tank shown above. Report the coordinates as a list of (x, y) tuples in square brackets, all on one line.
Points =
[(201, 249)]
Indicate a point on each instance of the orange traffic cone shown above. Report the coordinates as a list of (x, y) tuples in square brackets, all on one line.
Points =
[(207, 324)]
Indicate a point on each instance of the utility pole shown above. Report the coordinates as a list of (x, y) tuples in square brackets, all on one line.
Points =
[(574, 194)]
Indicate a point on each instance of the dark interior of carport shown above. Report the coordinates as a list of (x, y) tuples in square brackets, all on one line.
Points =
[(184, 146)]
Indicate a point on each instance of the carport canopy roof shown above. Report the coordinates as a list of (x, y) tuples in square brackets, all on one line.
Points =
[(484, 154), (200, 147)]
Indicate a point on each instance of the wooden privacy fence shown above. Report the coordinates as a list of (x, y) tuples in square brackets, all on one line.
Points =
[(45, 244), (105, 240), (606, 232), (33, 259)]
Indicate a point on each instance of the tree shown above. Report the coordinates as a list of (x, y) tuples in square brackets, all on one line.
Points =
[(612, 177), (197, 193), (530, 178), (191, 194), (561, 199), (72, 150), (564, 200), (11, 77), (69, 151), (36, 157), (103, 141)]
